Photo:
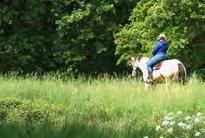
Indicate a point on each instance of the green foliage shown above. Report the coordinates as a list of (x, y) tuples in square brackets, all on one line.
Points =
[(80, 36), (26, 38), (86, 33), (181, 20), (73, 35)]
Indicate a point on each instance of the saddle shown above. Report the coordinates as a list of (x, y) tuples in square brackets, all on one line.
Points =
[(158, 65)]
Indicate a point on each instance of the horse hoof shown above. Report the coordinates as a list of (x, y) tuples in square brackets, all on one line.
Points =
[(149, 81)]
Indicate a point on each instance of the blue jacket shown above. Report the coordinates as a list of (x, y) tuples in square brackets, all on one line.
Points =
[(160, 48)]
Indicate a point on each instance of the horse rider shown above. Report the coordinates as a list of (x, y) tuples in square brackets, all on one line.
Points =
[(159, 53)]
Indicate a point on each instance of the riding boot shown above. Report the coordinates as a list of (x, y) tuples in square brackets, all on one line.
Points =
[(150, 78)]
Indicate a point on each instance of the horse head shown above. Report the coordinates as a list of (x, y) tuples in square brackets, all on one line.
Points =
[(135, 65)]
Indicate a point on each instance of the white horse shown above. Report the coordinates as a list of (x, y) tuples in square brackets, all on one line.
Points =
[(165, 70)]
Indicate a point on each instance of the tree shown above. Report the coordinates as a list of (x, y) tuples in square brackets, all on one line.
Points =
[(85, 29), (25, 36), (181, 20), (51, 35)]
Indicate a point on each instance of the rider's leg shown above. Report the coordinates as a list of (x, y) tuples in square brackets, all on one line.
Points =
[(153, 61)]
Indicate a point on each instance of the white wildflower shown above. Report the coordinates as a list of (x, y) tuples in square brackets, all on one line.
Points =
[(188, 127), (170, 130), (161, 137), (197, 120), (197, 134), (170, 114), (168, 118), (187, 118), (179, 112), (171, 118), (165, 123), (199, 114), (145, 137), (172, 123), (181, 124), (158, 127)]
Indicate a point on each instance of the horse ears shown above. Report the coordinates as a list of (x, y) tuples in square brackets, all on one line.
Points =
[(132, 58)]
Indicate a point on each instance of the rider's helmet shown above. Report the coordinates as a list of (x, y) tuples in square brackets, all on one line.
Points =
[(162, 37)]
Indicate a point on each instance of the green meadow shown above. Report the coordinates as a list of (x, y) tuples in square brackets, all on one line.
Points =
[(99, 108)]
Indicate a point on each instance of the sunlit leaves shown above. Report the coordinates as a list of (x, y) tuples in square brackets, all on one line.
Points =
[(180, 20)]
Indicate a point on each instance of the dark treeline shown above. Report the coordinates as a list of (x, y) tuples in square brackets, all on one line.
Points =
[(97, 36)]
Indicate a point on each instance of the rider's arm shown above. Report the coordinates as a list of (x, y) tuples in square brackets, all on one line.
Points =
[(156, 48)]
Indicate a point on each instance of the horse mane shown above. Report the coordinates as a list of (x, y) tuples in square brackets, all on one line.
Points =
[(138, 57), (145, 59), (141, 58)]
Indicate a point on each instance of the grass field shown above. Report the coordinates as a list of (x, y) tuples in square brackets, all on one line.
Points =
[(103, 107)]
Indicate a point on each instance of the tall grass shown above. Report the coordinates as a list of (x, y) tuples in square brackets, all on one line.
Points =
[(102, 107)]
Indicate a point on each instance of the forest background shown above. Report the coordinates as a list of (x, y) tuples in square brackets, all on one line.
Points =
[(97, 36)]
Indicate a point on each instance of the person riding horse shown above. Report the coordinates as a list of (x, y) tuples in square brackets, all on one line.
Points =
[(159, 53)]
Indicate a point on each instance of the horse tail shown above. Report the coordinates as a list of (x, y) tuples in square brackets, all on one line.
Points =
[(182, 73)]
